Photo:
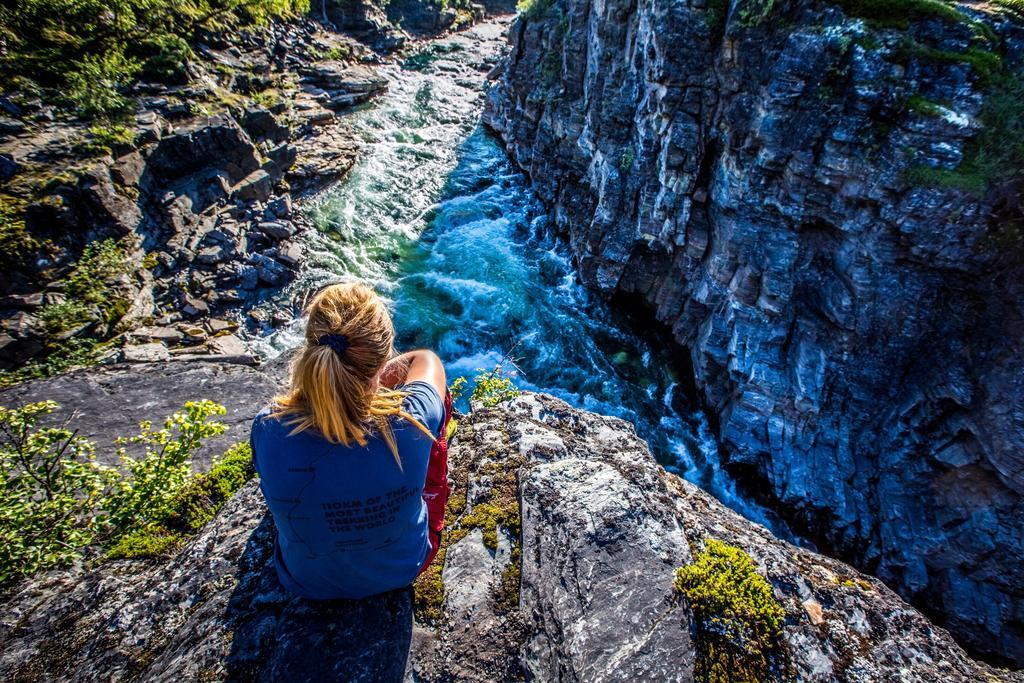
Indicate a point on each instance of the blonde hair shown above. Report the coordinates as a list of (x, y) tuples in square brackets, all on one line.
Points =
[(349, 339)]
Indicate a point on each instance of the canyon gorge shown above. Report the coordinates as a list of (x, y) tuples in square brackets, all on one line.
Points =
[(760, 255)]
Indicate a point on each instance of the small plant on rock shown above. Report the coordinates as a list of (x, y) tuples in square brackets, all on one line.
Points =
[(146, 494), (50, 485), (56, 500), (494, 387), (739, 622)]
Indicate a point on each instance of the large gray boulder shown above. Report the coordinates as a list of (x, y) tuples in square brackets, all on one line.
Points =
[(109, 402), (603, 528)]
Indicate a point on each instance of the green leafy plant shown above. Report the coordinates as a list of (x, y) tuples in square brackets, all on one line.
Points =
[(106, 136), (146, 493), (626, 160), (191, 507), (753, 12), (50, 486), (534, 9), (494, 386), (739, 622), (88, 287), (56, 500)]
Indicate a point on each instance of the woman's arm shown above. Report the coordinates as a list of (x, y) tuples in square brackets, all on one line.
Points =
[(415, 366)]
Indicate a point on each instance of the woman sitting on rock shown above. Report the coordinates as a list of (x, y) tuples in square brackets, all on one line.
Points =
[(352, 459)]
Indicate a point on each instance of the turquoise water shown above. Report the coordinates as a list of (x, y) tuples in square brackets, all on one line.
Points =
[(437, 219)]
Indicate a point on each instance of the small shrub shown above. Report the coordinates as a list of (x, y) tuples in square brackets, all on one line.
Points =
[(16, 244), (738, 619), (534, 9), (191, 507), (494, 387), (200, 499), (93, 86), (147, 492), (168, 55), (626, 160), (457, 387), (105, 137), (753, 12), (66, 315), (55, 500), (715, 14), (50, 486), (88, 286)]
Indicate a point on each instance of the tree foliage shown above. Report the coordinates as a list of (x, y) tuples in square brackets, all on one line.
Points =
[(56, 499), (83, 51)]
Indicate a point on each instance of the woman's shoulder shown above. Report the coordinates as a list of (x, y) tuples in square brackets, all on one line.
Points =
[(423, 402), (266, 420)]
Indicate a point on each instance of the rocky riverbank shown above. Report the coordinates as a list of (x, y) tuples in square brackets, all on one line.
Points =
[(574, 582), (800, 193), (152, 233)]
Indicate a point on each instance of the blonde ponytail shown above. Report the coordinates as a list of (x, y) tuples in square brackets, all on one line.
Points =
[(349, 339)]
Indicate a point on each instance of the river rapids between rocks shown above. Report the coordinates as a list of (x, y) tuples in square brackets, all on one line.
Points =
[(435, 216)]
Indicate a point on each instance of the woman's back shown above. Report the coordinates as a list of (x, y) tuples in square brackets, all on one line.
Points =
[(350, 522), (348, 455)]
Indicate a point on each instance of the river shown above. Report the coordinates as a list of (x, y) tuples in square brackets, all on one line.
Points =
[(435, 216)]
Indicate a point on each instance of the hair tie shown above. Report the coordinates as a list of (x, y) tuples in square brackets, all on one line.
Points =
[(337, 343)]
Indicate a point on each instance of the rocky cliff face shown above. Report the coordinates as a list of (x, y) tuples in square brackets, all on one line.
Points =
[(575, 584), (755, 174)]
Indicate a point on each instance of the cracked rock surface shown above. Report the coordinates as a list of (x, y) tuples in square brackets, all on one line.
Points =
[(603, 528)]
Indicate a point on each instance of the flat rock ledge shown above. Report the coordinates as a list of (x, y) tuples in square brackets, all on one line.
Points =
[(603, 530)]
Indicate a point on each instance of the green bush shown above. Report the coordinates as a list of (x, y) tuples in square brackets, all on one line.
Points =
[(168, 54), (534, 9), (107, 136), (191, 507), (56, 500), (494, 387), (50, 486), (146, 494), (88, 287), (753, 12), (738, 619), (82, 52)]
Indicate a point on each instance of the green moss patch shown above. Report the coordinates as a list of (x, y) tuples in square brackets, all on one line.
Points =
[(739, 622), (499, 509), (192, 507), (996, 155), (900, 13)]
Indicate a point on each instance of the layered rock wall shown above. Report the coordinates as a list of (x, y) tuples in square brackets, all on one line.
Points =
[(742, 170)]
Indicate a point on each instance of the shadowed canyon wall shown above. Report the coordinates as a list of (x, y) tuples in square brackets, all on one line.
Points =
[(795, 193)]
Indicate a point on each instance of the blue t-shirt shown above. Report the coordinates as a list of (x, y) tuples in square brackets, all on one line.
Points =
[(350, 523)]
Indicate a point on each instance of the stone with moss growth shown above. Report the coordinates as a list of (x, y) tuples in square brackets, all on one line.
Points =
[(191, 508), (150, 542), (602, 524), (739, 621)]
